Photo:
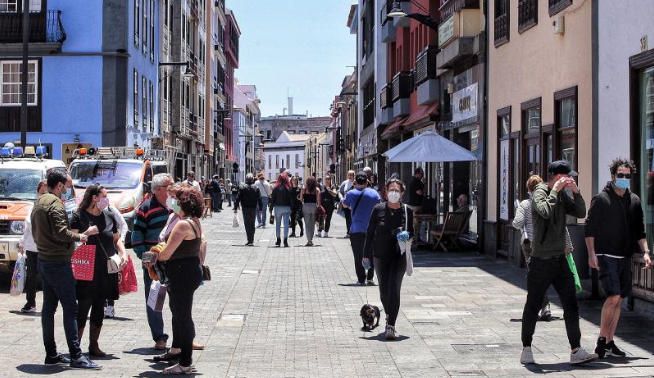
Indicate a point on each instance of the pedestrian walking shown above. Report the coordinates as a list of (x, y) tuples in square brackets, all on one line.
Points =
[(228, 192), (250, 200), (296, 208), (361, 200), (91, 295), (552, 202), (55, 243), (310, 197), (151, 217), (182, 268), (214, 192), (264, 191), (523, 222), (345, 187), (615, 231), (232, 195), (281, 201), (27, 246), (389, 224), (329, 198)]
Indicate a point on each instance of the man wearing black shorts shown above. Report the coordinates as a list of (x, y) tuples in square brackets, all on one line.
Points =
[(614, 232)]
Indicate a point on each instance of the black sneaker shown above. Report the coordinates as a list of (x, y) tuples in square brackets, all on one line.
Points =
[(28, 308), (278, 242), (83, 362), (58, 359), (601, 347), (613, 350), (285, 243)]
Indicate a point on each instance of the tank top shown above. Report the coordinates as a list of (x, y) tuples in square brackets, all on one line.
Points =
[(188, 248), (310, 198)]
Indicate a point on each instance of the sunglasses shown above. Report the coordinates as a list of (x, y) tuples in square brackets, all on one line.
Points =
[(623, 175)]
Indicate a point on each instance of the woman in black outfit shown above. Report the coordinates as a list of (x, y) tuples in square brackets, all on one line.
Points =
[(388, 224), (296, 209), (182, 257), (94, 211), (329, 197)]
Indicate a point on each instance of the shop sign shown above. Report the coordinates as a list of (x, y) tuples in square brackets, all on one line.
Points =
[(464, 103), (504, 180), (446, 31)]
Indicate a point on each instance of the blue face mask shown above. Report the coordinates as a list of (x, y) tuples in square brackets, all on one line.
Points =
[(622, 183)]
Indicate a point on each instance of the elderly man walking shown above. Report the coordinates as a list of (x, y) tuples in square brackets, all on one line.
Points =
[(151, 218)]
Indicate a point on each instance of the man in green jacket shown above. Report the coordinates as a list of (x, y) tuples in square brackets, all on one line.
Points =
[(55, 243), (551, 203)]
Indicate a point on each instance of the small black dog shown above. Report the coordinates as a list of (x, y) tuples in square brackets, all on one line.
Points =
[(369, 316)]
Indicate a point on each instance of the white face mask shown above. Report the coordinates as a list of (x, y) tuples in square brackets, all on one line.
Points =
[(169, 202), (394, 197)]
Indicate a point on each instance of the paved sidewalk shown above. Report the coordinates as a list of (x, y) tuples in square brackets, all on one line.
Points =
[(294, 312)]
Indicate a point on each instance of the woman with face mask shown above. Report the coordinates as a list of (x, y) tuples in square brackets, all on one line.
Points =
[(390, 222), (94, 212)]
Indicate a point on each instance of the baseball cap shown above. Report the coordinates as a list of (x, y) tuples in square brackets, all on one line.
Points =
[(361, 178), (561, 167)]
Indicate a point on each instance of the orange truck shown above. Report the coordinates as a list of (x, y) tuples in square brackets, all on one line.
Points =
[(20, 172), (124, 171)]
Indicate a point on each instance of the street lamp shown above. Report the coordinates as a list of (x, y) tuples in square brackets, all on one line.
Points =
[(396, 11), (188, 73)]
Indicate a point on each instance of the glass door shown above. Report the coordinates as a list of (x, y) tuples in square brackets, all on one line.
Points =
[(646, 116)]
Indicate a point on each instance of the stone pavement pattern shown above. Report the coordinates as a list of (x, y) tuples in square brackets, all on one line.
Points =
[(294, 312)]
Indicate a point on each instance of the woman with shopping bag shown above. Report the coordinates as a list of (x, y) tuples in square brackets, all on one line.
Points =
[(388, 241), (110, 257), (182, 256)]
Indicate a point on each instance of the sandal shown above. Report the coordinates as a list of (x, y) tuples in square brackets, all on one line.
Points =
[(177, 369), (167, 357)]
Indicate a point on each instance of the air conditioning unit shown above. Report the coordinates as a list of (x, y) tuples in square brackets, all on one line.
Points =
[(559, 24)]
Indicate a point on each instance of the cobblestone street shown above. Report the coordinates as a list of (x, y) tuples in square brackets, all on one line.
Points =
[(295, 312)]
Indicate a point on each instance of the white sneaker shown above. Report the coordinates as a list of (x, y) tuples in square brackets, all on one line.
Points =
[(390, 332), (581, 356), (326, 235), (109, 312), (526, 357)]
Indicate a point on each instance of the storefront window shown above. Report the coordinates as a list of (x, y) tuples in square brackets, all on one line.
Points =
[(646, 117), (565, 103)]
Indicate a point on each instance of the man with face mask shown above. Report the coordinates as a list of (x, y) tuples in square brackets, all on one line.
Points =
[(614, 232), (151, 217), (548, 264), (55, 243)]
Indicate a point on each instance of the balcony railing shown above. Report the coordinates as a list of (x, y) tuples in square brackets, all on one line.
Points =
[(386, 96), (402, 85), (527, 14), (501, 29), (44, 27), (426, 65)]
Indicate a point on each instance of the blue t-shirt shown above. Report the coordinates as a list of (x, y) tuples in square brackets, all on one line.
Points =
[(361, 217)]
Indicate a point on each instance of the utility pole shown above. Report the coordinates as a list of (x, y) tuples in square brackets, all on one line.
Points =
[(25, 73)]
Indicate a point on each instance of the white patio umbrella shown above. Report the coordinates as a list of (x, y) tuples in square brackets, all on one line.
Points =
[(428, 147)]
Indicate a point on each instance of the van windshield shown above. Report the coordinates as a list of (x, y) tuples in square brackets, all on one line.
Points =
[(19, 184), (111, 174)]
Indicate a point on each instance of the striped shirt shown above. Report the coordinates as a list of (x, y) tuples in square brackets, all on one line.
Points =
[(151, 218), (523, 221)]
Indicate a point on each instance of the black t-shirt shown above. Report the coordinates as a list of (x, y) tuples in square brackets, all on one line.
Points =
[(415, 199)]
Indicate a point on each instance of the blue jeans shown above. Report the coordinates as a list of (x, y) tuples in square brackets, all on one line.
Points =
[(261, 211), (155, 319), (282, 214), (59, 286)]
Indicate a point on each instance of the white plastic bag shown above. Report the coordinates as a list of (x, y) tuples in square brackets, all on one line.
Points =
[(157, 296), (18, 278), (235, 221)]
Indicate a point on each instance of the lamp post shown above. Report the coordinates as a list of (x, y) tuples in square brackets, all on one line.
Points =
[(425, 19)]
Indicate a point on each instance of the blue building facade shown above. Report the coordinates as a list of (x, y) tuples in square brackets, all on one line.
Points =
[(93, 73)]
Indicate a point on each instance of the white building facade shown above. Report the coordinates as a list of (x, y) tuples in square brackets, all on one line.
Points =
[(286, 152)]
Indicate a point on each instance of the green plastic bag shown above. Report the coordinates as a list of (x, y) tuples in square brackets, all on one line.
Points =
[(573, 269)]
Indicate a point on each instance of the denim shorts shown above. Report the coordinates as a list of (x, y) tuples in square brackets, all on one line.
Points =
[(615, 275)]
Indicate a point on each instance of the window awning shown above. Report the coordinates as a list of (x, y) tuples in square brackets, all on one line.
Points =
[(415, 120), (393, 129)]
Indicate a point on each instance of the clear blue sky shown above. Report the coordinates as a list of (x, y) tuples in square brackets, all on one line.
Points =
[(300, 45)]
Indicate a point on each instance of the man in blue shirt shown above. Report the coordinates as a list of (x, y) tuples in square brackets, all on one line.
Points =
[(361, 200)]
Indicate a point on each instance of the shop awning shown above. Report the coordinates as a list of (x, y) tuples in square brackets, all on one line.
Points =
[(428, 147), (393, 129), (423, 113)]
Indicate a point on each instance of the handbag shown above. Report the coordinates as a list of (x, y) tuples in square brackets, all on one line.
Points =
[(114, 262), (83, 262), (272, 219), (18, 276), (157, 296), (206, 273), (320, 211), (406, 245), (127, 282), (128, 239)]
